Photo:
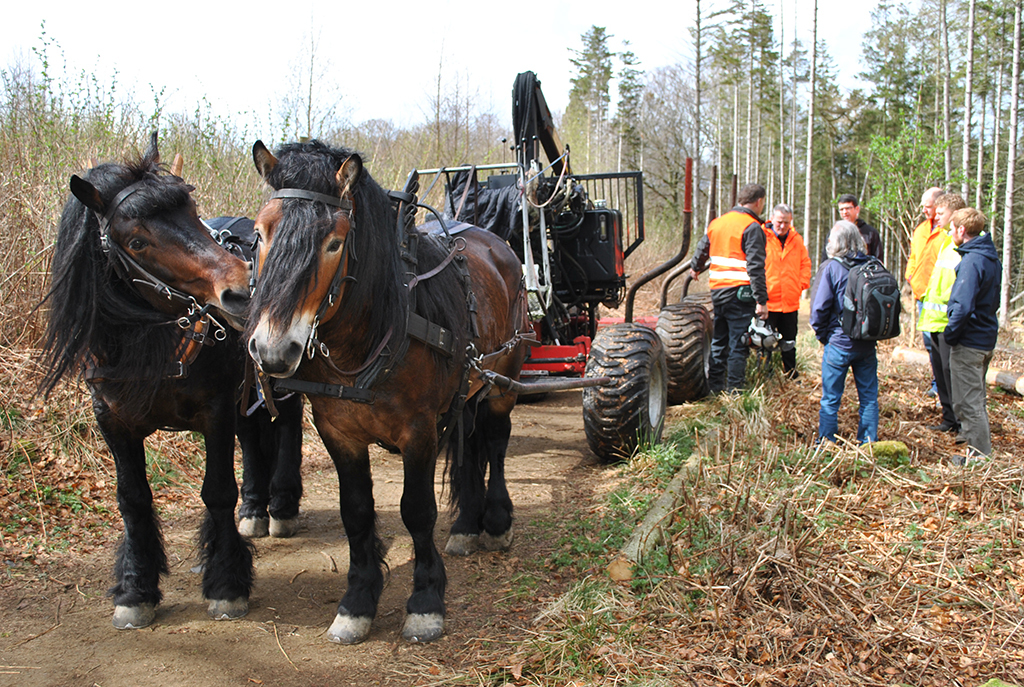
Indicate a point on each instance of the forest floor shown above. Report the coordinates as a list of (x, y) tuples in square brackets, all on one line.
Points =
[(783, 566)]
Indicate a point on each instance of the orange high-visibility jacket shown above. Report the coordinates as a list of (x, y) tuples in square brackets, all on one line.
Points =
[(924, 248), (787, 269), (727, 260)]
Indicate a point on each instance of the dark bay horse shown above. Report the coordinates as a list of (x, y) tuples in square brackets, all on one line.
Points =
[(271, 446), (388, 331), (138, 288)]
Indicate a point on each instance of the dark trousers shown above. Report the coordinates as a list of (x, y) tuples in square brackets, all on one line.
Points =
[(785, 323), (728, 367), (939, 356)]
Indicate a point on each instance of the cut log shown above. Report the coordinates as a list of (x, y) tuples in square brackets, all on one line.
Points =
[(1004, 379), (651, 530)]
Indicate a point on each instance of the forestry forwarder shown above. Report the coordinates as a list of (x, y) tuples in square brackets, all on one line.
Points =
[(574, 233)]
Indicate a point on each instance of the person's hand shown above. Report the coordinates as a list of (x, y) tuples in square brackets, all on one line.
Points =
[(694, 275), (761, 311)]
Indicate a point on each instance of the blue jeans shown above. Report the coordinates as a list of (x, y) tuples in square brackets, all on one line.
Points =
[(834, 364)]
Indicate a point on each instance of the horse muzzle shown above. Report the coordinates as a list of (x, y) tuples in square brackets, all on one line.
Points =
[(279, 356)]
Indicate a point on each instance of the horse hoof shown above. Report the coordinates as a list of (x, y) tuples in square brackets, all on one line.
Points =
[(134, 617), (254, 527), (501, 542), (228, 609), (347, 629), (423, 627), (462, 544), (282, 529)]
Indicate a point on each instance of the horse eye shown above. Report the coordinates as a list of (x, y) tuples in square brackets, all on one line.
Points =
[(136, 244), (334, 246)]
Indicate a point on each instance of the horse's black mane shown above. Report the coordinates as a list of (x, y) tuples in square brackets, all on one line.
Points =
[(94, 313), (377, 295)]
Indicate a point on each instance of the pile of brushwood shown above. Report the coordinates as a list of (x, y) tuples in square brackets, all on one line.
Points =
[(786, 564)]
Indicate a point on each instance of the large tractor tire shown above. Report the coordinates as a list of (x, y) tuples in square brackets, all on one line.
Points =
[(621, 416), (685, 331), (702, 299)]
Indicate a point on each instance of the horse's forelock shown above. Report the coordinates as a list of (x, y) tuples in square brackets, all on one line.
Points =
[(292, 265), (311, 166), (159, 193)]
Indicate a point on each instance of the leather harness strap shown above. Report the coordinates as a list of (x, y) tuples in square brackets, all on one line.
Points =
[(192, 341), (303, 194)]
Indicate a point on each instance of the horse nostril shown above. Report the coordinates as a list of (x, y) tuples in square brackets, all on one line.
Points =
[(254, 352), (234, 301)]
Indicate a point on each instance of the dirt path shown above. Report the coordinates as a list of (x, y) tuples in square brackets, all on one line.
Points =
[(55, 629)]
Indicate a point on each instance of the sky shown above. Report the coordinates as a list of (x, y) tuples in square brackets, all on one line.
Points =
[(386, 57)]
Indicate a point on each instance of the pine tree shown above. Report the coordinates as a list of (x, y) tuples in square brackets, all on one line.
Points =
[(585, 126), (627, 116)]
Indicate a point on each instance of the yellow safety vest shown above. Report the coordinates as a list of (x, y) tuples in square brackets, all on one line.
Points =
[(940, 285)]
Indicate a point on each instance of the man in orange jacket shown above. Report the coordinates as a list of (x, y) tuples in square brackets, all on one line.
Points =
[(787, 269), (733, 249)]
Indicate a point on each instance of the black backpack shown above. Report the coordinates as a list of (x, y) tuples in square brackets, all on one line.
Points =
[(871, 304)]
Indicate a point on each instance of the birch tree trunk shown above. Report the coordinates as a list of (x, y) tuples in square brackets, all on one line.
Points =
[(1011, 162), (782, 113), (736, 128), (944, 31), (697, 122), (981, 154), (792, 149), (997, 107), (968, 97), (810, 121), (750, 112), (757, 150)]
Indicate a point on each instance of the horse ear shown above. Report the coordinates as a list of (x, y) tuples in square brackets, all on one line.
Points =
[(152, 152), (87, 195), (178, 164), (349, 173), (263, 159)]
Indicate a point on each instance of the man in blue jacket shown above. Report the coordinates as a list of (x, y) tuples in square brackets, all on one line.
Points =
[(846, 248), (973, 328)]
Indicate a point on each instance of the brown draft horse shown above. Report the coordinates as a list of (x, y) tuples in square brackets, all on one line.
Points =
[(396, 326), (137, 286)]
